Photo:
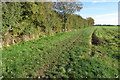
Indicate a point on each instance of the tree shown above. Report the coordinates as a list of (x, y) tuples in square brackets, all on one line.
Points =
[(11, 16), (90, 21), (23, 21), (65, 8)]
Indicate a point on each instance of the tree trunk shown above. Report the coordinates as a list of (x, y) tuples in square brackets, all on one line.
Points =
[(64, 22)]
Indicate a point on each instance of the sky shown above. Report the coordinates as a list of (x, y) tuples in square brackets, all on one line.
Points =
[(102, 11)]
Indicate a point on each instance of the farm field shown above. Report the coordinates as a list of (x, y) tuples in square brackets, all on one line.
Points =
[(86, 53), (100, 62)]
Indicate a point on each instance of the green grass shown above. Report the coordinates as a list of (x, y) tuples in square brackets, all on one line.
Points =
[(65, 55), (27, 58), (110, 36), (106, 53)]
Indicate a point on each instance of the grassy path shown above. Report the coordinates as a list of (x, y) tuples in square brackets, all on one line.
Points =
[(69, 59), (27, 59)]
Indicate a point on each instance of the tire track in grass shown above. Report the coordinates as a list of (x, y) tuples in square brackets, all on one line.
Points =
[(71, 46), (94, 42), (67, 47), (90, 42), (62, 49), (59, 49)]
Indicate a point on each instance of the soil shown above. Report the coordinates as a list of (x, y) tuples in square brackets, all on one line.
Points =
[(94, 42)]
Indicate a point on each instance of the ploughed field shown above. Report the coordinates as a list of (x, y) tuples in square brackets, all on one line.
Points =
[(86, 53)]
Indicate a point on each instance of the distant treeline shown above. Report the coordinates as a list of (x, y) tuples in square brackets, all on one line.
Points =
[(105, 25), (23, 21)]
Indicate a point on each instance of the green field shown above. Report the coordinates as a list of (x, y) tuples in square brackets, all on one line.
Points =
[(86, 53)]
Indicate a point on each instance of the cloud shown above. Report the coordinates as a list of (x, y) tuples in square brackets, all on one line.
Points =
[(93, 1), (96, 1), (111, 18), (107, 15)]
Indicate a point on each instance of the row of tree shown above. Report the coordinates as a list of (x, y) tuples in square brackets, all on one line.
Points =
[(23, 21)]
